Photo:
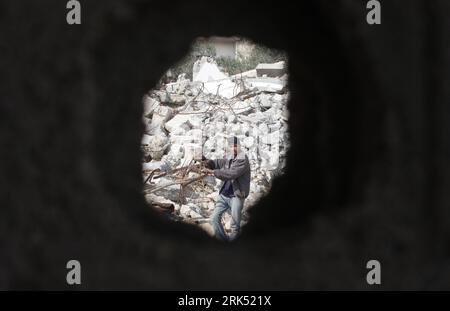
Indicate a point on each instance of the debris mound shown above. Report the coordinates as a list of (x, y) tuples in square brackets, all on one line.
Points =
[(185, 120)]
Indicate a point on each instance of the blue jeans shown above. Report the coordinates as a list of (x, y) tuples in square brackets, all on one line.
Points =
[(222, 205)]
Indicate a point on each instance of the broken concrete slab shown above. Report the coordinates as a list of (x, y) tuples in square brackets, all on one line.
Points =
[(160, 116), (157, 146), (192, 151), (224, 88), (176, 99), (150, 104), (242, 107), (271, 70), (162, 96), (277, 98), (153, 165), (146, 139), (246, 74), (170, 190), (198, 64), (270, 85), (176, 151), (178, 87), (208, 71), (265, 100), (177, 122)]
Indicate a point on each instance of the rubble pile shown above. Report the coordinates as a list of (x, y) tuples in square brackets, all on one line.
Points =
[(187, 119)]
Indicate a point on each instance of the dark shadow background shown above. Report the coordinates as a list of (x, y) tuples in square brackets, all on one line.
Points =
[(367, 172)]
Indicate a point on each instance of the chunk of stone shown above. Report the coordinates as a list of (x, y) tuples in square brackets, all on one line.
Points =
[(263, 129), (195, 212), (171, 193), (178, 121), (178, 87), (146, 139), (255, 118), (176, 99), (207, 71), (157, 146), (195, 122), (242, 107), (163, 96), (192, 151), (246, 74), (150, 104), (220, 126), (231, 118), (194, 136), (264, 101), (153, 165), (249, 142), (159, 118), (270, 85), (185, 210), (271, 70), (277, 98), (176, 151)]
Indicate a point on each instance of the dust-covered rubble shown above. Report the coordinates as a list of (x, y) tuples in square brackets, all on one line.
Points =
[(187, 119)]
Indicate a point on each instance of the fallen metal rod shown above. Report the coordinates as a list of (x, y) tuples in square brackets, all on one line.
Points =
[(177, 182), (151, 175), (166, 206), (177, 170)]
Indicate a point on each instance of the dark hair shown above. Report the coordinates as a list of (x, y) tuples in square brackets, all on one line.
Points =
[(233, 140)]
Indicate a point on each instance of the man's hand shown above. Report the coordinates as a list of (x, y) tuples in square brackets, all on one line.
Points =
[(209, 171)]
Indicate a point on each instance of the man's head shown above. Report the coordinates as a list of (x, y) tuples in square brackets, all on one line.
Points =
[(233, 142)]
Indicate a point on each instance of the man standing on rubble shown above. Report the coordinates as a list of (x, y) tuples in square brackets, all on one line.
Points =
[(234, 171)]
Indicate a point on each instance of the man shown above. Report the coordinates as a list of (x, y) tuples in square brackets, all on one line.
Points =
[(234, 171)]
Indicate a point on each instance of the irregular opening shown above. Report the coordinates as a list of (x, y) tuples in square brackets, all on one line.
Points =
[(216, 133)]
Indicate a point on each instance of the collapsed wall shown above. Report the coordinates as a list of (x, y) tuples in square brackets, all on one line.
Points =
[(186, 120)]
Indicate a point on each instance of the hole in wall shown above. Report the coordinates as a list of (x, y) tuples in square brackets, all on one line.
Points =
[(216, 134)]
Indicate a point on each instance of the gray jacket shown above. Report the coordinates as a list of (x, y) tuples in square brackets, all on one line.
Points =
[(237, 170)]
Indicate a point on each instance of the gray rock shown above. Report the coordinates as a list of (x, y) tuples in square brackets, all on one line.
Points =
[(157, 146), (176, 99), (150, 104), (271, 70), (160, 115), (163, 96), (265, 100), (178, 121), (185, 210), (171, 193)]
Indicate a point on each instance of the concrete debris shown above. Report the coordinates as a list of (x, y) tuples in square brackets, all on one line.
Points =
[(155, 165), (150, 104), (157, 145), (176, 99), (187, 119), (160, 115), (271, 70), (178, 122), (207, 71), (270, 85), (246, 74)]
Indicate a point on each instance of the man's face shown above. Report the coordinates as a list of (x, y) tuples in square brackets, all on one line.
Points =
[(233, 150)]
